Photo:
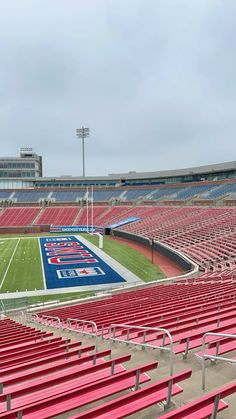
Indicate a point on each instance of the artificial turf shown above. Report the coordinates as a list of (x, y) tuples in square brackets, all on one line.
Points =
[(20, 265), (21, 269), (130, 258)]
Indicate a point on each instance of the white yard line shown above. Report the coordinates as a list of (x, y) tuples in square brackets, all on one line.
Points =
[(42, 265), (9, 264)]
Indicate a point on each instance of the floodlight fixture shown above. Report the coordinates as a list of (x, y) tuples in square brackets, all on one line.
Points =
[(83, 133)]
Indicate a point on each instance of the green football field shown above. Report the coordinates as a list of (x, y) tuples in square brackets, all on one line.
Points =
[(134, 261), (20, 265), (21, 269)]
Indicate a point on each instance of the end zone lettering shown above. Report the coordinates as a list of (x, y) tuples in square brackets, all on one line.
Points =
[(70, 260), (64, 244), (57, 239), (65, 253), (67, 262), (76, 273)]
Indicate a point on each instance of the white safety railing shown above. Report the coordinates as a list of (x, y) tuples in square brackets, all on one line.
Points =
[(215, 357), (85, 327), (128, 340), (47, 320), (51, 321), (32, 317)]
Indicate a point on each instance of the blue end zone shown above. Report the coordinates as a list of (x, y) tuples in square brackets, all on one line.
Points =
[(69, 263)]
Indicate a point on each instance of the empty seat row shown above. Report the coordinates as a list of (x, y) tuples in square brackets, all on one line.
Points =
[(49, 376)]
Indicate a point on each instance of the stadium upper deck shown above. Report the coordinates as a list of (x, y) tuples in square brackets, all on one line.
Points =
[(214, 172), (194, 193), (194, 185)]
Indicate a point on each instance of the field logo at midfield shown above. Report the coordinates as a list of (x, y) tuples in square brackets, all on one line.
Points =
[(69, 263)]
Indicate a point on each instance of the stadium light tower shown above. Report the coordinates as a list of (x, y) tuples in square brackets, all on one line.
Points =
[(82, 133)]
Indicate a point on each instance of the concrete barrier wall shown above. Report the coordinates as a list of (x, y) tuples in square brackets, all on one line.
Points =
[(173, 255), (25, 230)]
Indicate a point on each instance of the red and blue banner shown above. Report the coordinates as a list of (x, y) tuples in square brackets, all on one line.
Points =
[(75, 229), (67, 262)]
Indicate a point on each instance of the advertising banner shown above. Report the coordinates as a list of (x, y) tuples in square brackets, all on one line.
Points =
[(75, 229)]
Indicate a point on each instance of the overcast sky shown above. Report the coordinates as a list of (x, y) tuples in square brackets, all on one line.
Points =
[(155, 80)]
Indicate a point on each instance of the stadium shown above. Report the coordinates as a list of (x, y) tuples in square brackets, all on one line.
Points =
[(118, 215), (118, 295)]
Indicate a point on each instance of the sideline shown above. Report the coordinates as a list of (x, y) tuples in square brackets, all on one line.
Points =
[(41, 260), (129, 276), (166, 265), (9, 263)]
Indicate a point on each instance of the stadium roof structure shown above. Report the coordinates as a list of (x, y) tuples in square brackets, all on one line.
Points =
[(133, 175), (217, 169), (213, 172), (211, 168)]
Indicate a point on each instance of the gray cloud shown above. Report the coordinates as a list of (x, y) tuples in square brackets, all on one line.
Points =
[(153, 80)]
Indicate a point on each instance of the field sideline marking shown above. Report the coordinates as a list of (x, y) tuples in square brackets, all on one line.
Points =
[(9, 264), (42, 265)]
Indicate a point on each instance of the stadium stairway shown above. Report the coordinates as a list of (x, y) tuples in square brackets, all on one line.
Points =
[(217, 376), (33, 384), (38, 215), (77, 217)]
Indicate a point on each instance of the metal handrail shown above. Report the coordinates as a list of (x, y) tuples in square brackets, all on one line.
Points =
[(33, 317), (83, 331), (47, 318), (213, 357), (37, 319), (143, 344), (67, 325)]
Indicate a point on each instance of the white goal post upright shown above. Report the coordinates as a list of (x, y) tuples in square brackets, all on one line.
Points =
[(89, 199), (87, 202), (92, 209), (100, 236)]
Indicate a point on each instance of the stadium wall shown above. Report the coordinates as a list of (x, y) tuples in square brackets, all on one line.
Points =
[(25, 230), (164, 250)]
